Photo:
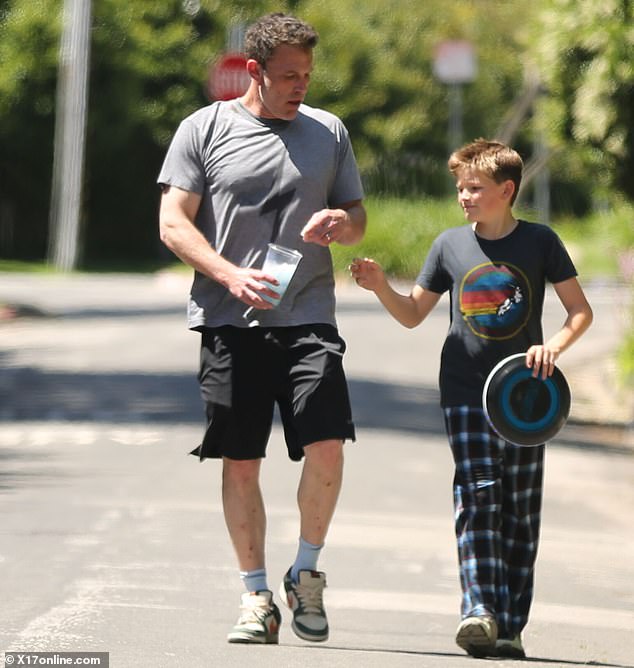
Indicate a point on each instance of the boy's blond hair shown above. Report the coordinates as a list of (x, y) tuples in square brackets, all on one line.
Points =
[(494, 159)]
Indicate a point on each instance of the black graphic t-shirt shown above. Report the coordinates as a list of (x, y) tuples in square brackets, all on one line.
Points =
[(496, 296)]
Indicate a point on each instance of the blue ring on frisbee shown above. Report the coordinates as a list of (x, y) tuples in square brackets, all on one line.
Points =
[(520, 419), (521, 409)]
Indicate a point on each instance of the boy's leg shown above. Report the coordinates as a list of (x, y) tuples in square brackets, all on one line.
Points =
[(498, 494), (478, 501), (477, 491), (521, 519)]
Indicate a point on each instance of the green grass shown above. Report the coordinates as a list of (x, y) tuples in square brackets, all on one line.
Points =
[(129, 267), (601, 242), (17, 266), (399, 234)]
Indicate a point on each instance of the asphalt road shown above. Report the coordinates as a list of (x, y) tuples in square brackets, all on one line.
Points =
[(112, 538)]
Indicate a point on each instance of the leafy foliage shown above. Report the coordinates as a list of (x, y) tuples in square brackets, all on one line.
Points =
[(374, 68), (584, 50)]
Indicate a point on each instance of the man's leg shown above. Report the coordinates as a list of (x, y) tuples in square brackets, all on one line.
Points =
[(244, 511), (317, 496), (319, 489), (245, 517)]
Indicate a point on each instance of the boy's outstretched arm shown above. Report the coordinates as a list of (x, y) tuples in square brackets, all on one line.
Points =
[(410, 310), (578, 320)]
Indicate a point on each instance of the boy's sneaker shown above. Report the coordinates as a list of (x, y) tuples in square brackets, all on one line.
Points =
[(477, 635), (510, 648), (305, 599), (259, 620)]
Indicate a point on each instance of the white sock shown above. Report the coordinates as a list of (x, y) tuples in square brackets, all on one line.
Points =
[(255, 580)]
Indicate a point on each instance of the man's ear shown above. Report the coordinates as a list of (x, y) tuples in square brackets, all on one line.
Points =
[(254, 69)]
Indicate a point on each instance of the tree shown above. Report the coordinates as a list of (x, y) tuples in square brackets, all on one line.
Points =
[(374, 69), (28, 53), (149, 66), (584, 52)]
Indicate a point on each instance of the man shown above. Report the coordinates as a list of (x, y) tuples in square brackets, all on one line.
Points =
[(239, 175)]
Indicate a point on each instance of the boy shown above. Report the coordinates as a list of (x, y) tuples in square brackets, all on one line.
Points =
[(495, 269)]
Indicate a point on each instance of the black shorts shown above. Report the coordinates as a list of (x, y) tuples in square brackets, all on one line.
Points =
[(244, 372)]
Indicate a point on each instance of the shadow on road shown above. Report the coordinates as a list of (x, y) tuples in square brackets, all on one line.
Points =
[(29, 393), (412, 409), (451, 655), (32, 394), (34, 467)]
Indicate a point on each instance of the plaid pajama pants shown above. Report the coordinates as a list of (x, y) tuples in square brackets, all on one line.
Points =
[(497, 501)]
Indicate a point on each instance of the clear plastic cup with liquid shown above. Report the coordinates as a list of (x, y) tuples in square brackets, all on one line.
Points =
[(280, 262)]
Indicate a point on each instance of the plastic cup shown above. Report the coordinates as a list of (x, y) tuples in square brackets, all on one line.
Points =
[(280, 262)]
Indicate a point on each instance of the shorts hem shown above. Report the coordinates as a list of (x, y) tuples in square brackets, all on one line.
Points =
[(350, 436)]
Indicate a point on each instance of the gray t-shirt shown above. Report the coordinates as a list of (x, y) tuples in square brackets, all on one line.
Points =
[(496, 294), (261, 180)]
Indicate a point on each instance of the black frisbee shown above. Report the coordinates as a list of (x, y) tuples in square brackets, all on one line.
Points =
[(521, 409)]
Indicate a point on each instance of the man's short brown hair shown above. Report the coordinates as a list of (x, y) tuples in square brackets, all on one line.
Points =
[(273, 30), (494, 159)]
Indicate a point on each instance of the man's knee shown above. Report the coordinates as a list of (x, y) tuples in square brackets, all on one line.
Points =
[(327, 454), (241, 472)]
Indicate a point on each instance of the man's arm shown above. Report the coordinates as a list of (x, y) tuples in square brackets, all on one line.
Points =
[(179, 233), (345, 225)]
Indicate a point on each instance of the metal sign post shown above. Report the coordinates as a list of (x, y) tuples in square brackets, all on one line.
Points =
[(455, 65), (70, 135)]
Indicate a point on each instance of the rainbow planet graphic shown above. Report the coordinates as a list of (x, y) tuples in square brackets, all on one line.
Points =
[(495, 300)]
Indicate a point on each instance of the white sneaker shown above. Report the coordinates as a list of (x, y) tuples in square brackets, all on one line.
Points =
[(477, 635), (305, 599), (259, 620)]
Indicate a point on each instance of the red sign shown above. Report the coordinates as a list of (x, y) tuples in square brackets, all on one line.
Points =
[(228, 78)]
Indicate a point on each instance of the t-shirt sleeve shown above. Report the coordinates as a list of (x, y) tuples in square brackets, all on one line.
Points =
[(183, 167), (346, 186), (559, 265), (433, 276)]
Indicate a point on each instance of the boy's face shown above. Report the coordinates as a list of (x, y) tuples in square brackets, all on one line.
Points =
[(481, 198)]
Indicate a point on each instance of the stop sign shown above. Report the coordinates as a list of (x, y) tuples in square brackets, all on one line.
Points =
[(228, 78)]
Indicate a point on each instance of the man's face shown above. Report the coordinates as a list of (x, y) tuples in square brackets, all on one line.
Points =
[(284, 82), (481, 198)]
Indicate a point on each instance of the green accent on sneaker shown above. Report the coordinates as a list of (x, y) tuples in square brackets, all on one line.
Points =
[(477, 635), (259, 620), (305, 599)]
